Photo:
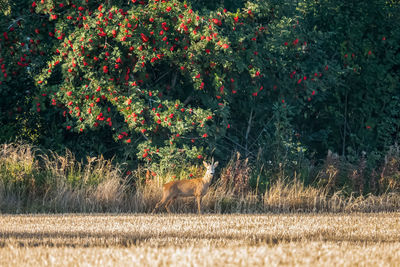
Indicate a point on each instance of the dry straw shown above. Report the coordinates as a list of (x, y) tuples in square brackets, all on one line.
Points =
[(33, 181), (207, 240)]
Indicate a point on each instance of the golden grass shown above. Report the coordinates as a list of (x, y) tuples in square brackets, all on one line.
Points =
[(357, 239), (32, 181)]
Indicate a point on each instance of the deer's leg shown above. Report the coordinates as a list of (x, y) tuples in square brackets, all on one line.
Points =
[(169, 203), (162, 201), (156, 207), (198, 204)]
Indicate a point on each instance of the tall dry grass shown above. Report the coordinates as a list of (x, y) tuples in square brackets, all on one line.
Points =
[(33, 181)]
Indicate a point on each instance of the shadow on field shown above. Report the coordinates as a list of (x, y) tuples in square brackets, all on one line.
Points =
[(85, 239)]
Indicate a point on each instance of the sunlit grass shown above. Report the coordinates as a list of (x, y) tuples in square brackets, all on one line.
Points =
[(34, 181), (207, 240)]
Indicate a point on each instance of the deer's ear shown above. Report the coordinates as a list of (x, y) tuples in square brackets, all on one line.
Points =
[(216, 164), (205, 164)]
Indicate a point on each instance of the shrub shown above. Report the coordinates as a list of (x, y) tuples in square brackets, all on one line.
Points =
[(169, 83)]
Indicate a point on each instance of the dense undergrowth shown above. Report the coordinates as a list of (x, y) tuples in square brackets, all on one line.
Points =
[(32, 180), (118, 97)]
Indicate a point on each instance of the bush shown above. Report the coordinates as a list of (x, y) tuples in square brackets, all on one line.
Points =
[(169, 83)]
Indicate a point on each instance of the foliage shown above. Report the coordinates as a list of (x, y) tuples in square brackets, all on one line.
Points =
[(167, 83), (22, 54), (361, 39)]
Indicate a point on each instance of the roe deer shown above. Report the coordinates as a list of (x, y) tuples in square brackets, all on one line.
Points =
[(187, 188)]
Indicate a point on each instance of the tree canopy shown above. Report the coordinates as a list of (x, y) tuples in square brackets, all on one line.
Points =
[(165, 82)]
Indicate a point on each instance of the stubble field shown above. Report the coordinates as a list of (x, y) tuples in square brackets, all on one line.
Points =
[(357, 239)]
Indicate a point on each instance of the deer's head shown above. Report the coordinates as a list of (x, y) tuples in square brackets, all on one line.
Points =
[(210, 167)]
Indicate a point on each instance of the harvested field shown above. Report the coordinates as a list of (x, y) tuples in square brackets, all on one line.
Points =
[(361, 239)]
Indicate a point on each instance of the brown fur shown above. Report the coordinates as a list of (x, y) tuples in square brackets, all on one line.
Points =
[(187, 188)]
